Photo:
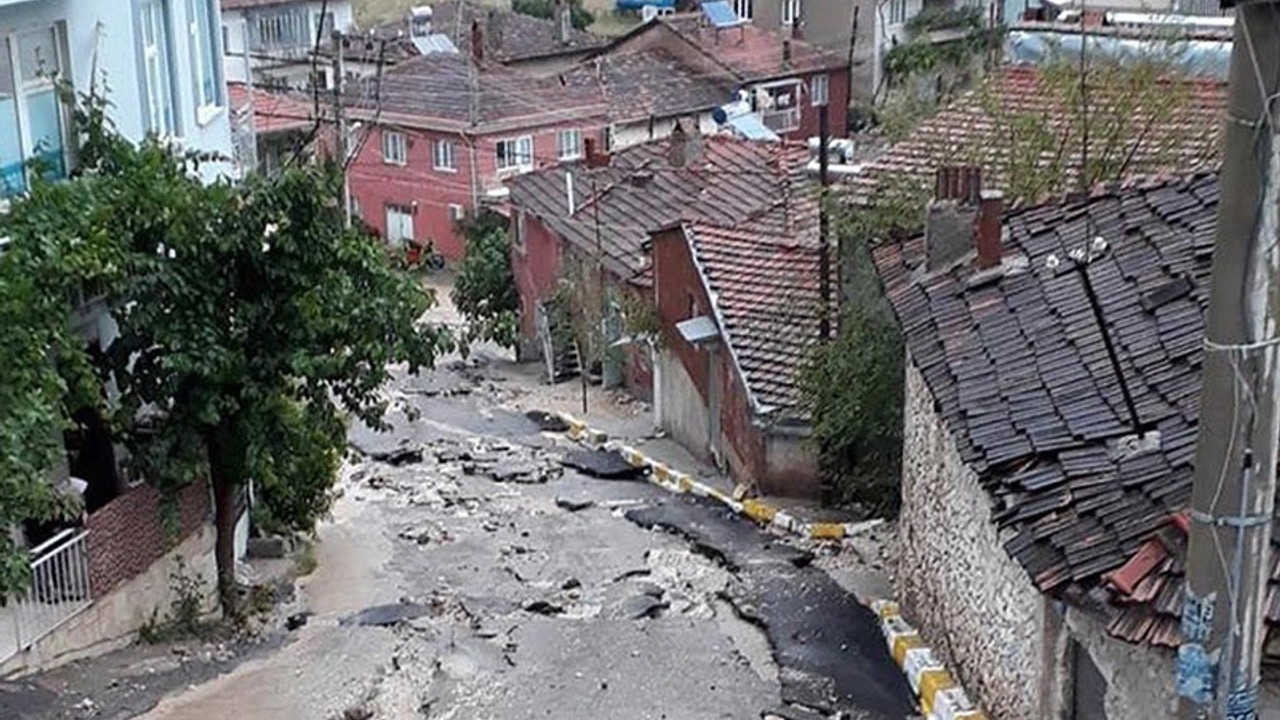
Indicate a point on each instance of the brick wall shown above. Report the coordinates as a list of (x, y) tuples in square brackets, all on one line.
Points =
[(129, 533)]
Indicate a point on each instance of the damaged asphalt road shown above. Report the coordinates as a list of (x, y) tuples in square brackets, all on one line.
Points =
[(829, 649), (470, 574)]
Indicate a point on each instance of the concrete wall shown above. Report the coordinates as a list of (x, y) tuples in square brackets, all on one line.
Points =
[(129, 533), (1139, 678), (105, 35), (973, 602), (111, 621), (295, 73), (829, 25), (791, 466), (535, 263), (684, 412)]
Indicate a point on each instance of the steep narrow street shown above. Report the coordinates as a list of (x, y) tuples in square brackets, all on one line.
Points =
[(466, 574)]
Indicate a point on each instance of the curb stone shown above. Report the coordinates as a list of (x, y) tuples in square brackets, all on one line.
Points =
[(940, 695), (662, 475)]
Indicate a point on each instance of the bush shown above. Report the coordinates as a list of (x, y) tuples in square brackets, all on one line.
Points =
[(852, 389), (485, 289), (580, 17)]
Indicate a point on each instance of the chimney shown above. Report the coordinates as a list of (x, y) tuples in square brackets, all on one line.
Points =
[(677, 146), (988, 240), (786, 50), (564, 21), (477, 42), (949, 222), (594, 157)]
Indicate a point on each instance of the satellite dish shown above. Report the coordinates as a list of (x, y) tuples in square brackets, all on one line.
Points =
[(720, 116), (648, 12)]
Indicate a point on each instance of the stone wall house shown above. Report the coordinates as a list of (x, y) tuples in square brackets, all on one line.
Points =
[(1042, 527)]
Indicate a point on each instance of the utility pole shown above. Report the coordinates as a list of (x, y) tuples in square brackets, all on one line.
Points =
[(340, 122), (1233, 497), (824, 250), (252, 150)]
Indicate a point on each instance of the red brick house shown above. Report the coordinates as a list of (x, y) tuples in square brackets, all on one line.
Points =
[(715, 227), (781, 79), (443, 133)]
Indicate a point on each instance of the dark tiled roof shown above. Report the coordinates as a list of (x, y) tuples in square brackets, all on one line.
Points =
[(764, 286), (752, 53), (640, 192), (1183, 141), (651, 83), (242, 4), (1021, 377), (450, 89), (508, 36)]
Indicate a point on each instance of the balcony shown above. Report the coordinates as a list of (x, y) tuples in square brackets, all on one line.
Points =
[(781, 121)]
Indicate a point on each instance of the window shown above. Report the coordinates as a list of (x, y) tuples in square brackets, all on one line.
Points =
[(777, 104), (515, 154), (457, 213), (395, 149), (897, 12), (517, 236), (569, 144), (399, 225), (442, 156), (156, 63), (204, 59), (790, 12), (32, 117), (742, 8), (819, 90)]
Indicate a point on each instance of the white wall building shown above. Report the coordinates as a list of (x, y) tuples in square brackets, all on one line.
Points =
[(280, 39), (158, 60)]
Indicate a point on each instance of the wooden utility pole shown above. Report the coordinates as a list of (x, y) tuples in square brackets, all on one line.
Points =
[(340, 122), (824, 222), (1233, 496)]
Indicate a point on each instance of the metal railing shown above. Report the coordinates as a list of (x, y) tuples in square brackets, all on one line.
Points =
[(781, 121), (59, 589)]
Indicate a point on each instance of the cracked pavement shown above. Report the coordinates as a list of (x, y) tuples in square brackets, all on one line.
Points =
[(467, 574)]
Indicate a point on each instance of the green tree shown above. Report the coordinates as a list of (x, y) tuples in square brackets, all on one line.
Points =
[(250, 320), (485, 289), (579, 16)]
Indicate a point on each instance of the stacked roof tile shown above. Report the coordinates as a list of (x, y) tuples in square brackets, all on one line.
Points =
[(451, 91), (1179, 139), (651, 83), (1021, 377), (725, 181), (764, 286)]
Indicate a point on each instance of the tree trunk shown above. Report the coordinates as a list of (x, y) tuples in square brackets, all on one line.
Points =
[(224, 520)]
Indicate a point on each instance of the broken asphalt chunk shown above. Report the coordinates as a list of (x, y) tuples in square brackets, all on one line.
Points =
[(385, 615), (548, 422), (542, 607), (573, 505), (603, 464)]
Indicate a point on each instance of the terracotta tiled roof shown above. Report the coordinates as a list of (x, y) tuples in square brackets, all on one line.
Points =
[(1021, 377), (750, 52), (450, 90), (242, 4), (1186, 140), (730, 181), (508, 36), (272, 112), (764, 287), (651, 83)]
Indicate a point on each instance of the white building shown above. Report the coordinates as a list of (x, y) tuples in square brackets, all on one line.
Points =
[(277, 39), (159, 61)]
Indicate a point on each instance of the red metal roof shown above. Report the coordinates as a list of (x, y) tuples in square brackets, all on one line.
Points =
[(272, 112)]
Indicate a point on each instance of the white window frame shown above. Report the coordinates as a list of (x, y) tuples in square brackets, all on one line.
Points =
[(523, 151), (205, 70), (23, 89), (570, 149), (443, 156), (790, 112), (743, 9), (518, 232), (791, 12), (395, 235), (395, 148), (897, 12), (819, 90), (161, 102), (457, 213)]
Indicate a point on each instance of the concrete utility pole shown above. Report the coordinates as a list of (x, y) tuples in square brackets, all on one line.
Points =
[(824, 251), (1235, 474), (340, 122)]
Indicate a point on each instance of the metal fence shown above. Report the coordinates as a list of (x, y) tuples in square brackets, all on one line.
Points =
[(59, 589)]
